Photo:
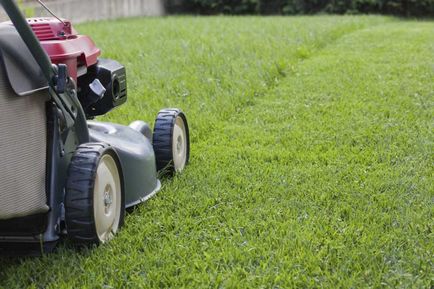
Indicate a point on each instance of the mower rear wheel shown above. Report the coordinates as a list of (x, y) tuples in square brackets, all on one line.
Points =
[(171, 141), (94, 202)]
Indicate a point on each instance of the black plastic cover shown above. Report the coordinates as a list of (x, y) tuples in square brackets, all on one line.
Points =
[(23, 72), (111, 74)]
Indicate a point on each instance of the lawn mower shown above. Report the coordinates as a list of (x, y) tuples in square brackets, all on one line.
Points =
[(62, 174)]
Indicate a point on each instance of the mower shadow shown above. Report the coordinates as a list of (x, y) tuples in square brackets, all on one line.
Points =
[(34, 268)]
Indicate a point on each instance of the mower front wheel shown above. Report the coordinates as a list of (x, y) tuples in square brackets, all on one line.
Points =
[(171, 141), (94, 201)]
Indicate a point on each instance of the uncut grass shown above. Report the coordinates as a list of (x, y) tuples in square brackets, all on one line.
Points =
[(311, 154)]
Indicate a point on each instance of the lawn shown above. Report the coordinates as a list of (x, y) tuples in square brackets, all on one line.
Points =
[(311, 157)]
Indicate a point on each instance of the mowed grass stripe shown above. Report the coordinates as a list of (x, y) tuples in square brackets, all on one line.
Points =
[(310, 167), (348, 146), (211, 66)]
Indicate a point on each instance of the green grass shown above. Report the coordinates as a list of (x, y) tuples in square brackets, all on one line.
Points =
[(311, 157)]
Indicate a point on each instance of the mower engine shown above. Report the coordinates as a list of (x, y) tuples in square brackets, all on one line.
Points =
[(101, 83)]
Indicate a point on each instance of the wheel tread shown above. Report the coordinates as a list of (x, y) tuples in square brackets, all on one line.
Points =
[(79, 193), (162, 139)]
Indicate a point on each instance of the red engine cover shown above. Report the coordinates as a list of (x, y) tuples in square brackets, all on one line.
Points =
[(64, 45)]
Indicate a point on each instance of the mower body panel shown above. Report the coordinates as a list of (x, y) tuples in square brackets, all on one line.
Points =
[(136, 156)]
